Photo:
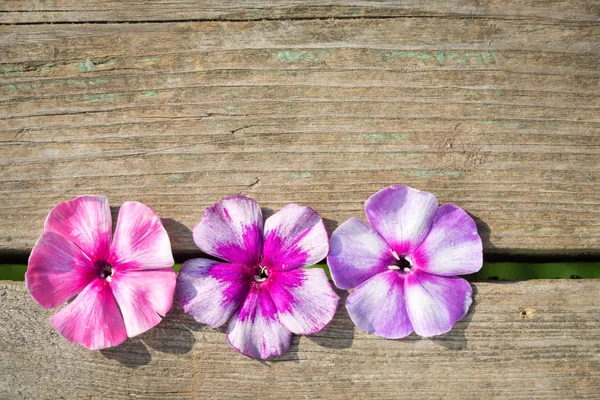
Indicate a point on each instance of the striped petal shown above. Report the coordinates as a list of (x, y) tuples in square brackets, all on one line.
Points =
[(84, 221), (143, 297), (295, 237), (255, 330), (232, 230), (304, 299), (357, 253), (92, 319), (402, 215), (211, 291), (378, 306), (434, 303), (57, 270), (452, 246), (141, 242)]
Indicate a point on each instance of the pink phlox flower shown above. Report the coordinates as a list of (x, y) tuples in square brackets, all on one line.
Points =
[(404, 265), (123, 288), (261, 289)]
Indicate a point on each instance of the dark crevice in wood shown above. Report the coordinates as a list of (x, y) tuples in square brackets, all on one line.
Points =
[(301, 18), (546, 257)]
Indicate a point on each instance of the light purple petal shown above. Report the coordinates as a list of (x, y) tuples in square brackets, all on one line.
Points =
[(85, 221), (434, 303), (357, 253), (57, 270), (295, 237), (143, 297), (232, 230), (452, 246), (402, 215), (141, 242), (304, 298), (92, 319), (211, 291), (378, 306), (255, 330)]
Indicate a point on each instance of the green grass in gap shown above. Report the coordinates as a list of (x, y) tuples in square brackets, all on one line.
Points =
[(513, 271), (12, 272), (491, 271)]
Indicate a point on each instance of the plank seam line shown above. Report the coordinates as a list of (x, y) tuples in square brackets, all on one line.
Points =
[(209, 20)]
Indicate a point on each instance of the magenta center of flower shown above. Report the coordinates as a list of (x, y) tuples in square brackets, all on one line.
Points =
[(401, 264), (261, 274), (105, 270)]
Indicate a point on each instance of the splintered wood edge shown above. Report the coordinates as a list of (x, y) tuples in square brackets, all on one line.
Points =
[(534, 339)]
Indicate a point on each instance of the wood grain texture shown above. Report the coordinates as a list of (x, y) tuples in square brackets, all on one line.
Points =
[(527, 340), (497, 115), (53, 11)]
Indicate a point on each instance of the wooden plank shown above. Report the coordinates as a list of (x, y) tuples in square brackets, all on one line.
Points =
[(498, 116), (525, 340), (44, 11)]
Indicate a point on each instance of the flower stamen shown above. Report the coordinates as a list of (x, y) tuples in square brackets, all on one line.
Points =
[(262, 274), (106, 270), (402, 264)]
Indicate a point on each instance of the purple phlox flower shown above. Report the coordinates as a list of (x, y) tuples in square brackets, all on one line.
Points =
[(260, 289), (403, 267), (123, 288)]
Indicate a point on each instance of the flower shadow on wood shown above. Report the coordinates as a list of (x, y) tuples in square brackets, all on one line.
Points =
[(171, 336), (132, 353), (485, 232), (182, 240)]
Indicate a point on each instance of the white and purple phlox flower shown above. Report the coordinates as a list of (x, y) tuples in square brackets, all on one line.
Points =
[(260, 289), (123, 288), (403, 267)]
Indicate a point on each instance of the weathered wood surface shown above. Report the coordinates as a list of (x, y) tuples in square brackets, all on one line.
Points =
[(497, 114), (527, 340), (44, 11)]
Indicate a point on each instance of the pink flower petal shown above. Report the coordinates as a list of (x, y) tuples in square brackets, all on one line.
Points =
[(357, 253), (295, 237), (434, 303), (211, 291), (378, 306), (141, 241), (143, 297), (402, 215), (232, 230), (255, 330), (85, 221), (304, 298), (452, 246), (92, 319), (57, 270)]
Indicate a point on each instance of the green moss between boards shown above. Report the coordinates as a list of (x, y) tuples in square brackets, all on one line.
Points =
[(490, 271)]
